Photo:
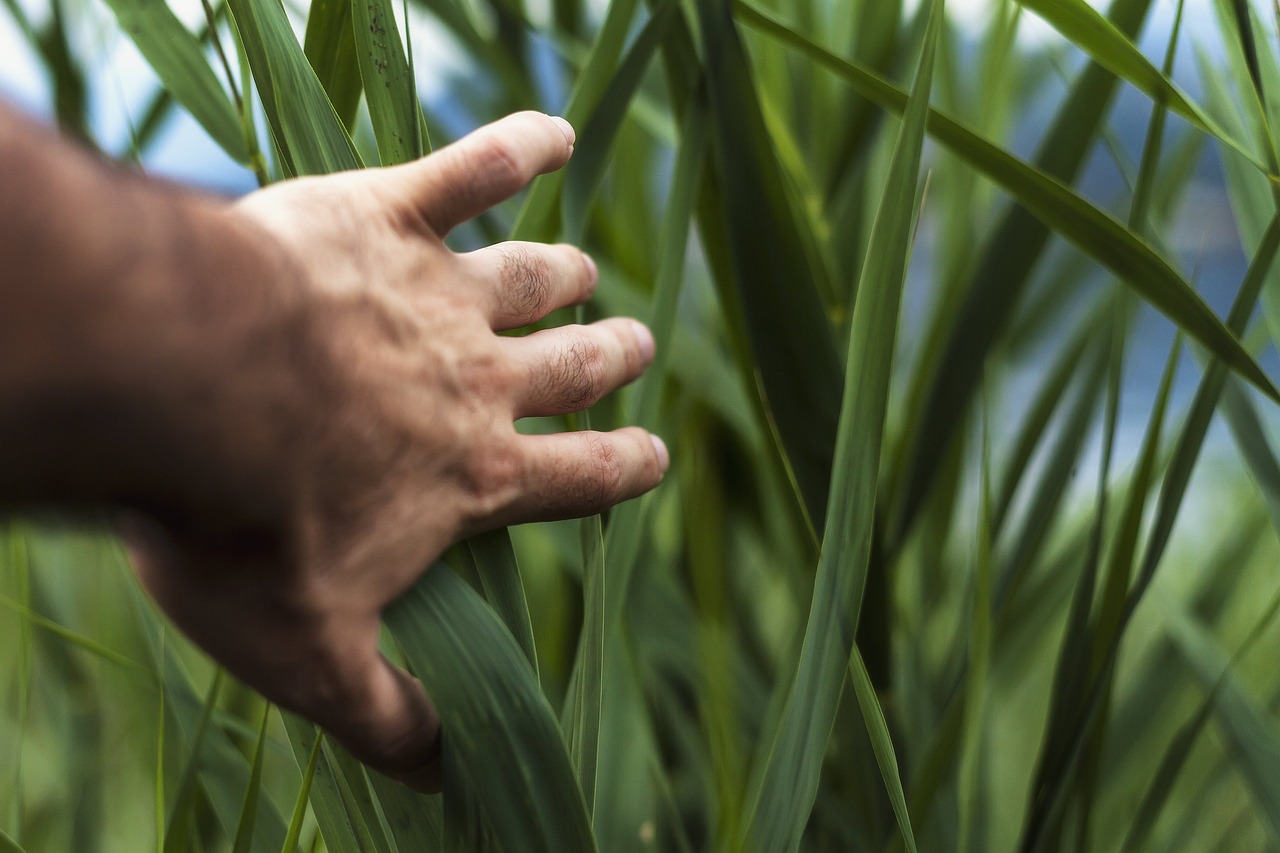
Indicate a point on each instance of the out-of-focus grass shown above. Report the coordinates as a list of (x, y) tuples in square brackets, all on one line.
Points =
[(1061, 631)]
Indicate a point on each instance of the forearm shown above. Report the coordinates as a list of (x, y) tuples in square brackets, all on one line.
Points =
[(126, 304)]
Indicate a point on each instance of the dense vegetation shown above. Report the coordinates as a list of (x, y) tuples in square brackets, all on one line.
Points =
[(1009, 485)]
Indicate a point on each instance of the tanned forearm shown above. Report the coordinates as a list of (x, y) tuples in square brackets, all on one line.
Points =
[(126, 308)]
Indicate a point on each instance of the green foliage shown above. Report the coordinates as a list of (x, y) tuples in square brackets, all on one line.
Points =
[(964, 593)]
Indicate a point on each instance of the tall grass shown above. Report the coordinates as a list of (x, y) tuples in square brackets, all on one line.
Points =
[(951, 554)]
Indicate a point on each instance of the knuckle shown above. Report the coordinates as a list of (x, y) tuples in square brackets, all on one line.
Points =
[(604, 474), (492, 475), (584, 371), (498, 158), (527, 280)]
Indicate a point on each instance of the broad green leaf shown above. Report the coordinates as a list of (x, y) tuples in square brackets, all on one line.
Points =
[(389, 87), (308, 132), (177, 59), (330, 46), (771, 295), (787, 767), (493, 714), (412, 820), (493, 560), (1089, 30)]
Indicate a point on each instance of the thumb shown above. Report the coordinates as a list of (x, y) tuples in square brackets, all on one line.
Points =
[(385, 720)]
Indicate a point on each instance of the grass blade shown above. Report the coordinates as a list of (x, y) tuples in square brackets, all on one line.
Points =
[(772, 297), (786, 771), (1090, 31), (175, 56), (494, 714), (882, 743), (300, 805), (389, 87), (330, 46), (1092, 230), (248, 814), (308, 132)]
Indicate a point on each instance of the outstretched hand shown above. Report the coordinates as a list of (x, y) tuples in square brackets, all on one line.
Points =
[(378, 428)]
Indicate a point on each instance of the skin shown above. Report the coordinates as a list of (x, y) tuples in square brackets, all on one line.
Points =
[(294, 403)]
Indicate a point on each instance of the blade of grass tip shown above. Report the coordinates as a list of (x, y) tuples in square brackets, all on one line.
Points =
[(1249, 731), (177, 837), (310, 134), (493, 711), (787, 768), (248, 814), (1175, 757), (300, 804), (389, 88), (338, 826), (971, 831), (591, 156), (1089, 30), (177, 59), (330, 47), (882, 745)]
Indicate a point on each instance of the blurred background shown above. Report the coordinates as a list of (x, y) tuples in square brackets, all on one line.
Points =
[(1068, 615)]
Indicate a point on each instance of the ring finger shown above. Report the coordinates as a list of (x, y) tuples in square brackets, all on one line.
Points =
[(569, 368)]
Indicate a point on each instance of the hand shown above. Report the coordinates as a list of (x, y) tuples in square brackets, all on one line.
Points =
[(385, 431)]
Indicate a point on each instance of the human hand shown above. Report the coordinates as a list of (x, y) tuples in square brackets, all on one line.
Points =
[(355, 440)]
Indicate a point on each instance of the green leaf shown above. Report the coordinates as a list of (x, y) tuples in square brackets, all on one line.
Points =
[(591, 155), (248, 814), (330, 46), (493, 714), (771, 295), (389, 87), (177, 59), (786, 771), (882, 744), (305, 127), (8, 845), (1089, 30), (341, 828), (1092, 230)]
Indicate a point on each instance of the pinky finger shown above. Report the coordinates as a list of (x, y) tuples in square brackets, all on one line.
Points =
[(576, 474)]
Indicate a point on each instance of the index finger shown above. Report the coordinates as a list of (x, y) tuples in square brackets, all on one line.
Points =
[(483, 168)]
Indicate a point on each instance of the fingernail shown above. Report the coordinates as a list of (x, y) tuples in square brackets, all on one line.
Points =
[(644, 339), (660, 448), (565, 128), (593, 270)]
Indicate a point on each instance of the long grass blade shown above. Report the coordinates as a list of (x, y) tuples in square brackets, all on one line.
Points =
[(330, 46), (494, 714), (1089, 30), (787, 769), (389, 87), (248, 814), (176, 57), (306, 129)]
